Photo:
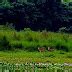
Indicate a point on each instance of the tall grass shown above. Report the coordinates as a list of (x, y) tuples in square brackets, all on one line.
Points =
[(31, 40)]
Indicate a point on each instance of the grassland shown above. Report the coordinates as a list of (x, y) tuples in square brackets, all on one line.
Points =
[(31, 40), (22, 46), (37, 57)]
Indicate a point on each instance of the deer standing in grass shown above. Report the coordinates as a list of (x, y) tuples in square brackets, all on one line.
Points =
[(51, 49), (41, 49)]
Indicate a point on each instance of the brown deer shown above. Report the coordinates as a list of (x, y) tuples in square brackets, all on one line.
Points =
[(41, 49), (51, 49)]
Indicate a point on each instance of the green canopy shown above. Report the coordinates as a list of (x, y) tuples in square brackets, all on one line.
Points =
[(67, 0)]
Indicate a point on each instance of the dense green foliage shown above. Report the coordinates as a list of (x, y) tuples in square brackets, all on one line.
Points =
[(31, 40), (67, 0), (50, 15)]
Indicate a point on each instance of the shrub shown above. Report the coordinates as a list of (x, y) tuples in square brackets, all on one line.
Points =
[(44, 33), (6, 4), (69, 56), (10, 26), (63, 29), (28, 36), (62, 52), (16, 36), (4, 44), (30, 46), (7, 27), (61, 46), (16, 45)]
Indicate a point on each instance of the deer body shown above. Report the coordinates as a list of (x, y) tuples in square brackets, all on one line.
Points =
[(41, 49), (50, 49)]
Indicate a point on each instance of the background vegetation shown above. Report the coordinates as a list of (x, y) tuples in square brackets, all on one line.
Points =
[(50, 15), (30, 40)]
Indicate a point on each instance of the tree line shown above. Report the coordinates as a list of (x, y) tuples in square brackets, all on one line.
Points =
[(50, 15)]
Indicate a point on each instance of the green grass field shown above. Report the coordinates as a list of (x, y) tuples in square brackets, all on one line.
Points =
[(23, 46), (37, 57)]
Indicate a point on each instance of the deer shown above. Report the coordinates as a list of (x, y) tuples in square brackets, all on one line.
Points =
[(51, 49), (41, 49)]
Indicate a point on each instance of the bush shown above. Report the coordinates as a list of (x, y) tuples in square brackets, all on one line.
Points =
[(16, 45), (61, 46), (69, 56), (4, 44), (63, 29), (28, 35), (16, 36), (62, 52), (7, 27), (30, 46)]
